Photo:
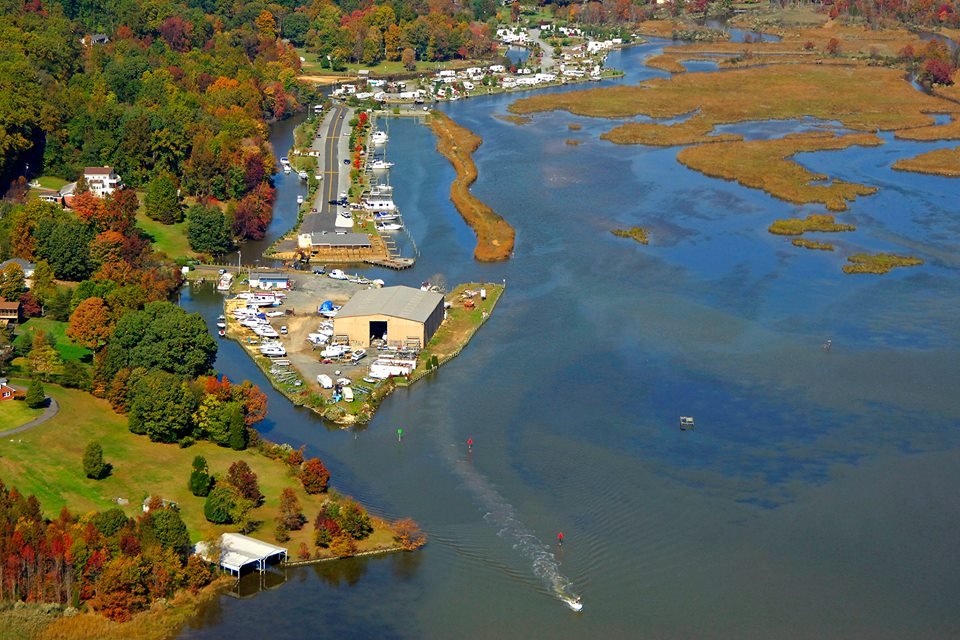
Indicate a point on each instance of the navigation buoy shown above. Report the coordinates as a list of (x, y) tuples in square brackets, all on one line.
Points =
[(470, 443), (560, 538), (399, 435)]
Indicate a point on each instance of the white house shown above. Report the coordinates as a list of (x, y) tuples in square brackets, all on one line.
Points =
[(102, 181)]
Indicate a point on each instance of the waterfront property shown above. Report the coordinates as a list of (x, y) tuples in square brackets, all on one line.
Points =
[(402, 316), (236, 551), (269, 280)]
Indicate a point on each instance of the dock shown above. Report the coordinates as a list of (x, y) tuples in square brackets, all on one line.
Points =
[(397, 264)]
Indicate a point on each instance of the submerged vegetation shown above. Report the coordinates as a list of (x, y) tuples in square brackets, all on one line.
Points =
[(879, 263), (816, 222), (812, 244), (495, 236), (637, 233), (515, 119)]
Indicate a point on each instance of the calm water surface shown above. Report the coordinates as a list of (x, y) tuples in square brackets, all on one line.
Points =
[(816, 497)]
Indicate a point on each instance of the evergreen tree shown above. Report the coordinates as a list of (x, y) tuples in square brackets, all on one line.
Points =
[(93, 464), (199, 478), (162, 202), (36, 396), (220, 505), (208, 230)]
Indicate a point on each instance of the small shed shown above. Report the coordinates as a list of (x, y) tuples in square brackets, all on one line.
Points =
[(238, 551), (269, 280), (402, 315)]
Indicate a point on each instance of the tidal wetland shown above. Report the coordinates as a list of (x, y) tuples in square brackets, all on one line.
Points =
[(815, 498)]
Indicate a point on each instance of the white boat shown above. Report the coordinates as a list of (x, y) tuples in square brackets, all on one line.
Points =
[(303, 175), (299, 199), (329, 313), (284, 161), (344, 382), (334, 351), (348, 394), (266, 331), (273, 350), (337, 274), (379, 204), (358, 355), (379, 190), (317, 339), (380, 165), (223, 284), (379, 137), (275, 314), (385, 215), (324, 381), (389, 226), (261, 299), (221, 324)]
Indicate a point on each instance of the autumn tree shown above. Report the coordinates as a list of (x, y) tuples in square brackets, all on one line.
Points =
[(266, 25), (291, 515), (93, 465), (12, 282), (242, 478), (44, 287), (314, 476), (408, 535), (409, 59), (91, 323), (219, 505), (43, 359)]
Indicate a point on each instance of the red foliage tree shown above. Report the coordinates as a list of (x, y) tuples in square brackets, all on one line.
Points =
[(314, 476), (242, 478), (937, 71), (291, 515)]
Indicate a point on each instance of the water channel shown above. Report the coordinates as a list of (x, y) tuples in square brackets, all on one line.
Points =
[(816, 496)]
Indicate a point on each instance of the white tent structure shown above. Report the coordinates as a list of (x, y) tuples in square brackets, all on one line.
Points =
[(238, 551)]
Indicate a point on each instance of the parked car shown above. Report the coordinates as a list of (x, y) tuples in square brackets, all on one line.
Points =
[(283, 330)]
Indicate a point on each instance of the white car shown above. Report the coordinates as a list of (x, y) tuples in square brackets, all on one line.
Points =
[(337, 274)]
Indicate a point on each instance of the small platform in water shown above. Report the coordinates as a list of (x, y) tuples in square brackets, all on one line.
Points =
[(392, 263), (686, 423)]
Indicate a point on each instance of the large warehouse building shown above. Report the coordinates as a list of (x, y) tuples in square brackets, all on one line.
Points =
[(403, 315)]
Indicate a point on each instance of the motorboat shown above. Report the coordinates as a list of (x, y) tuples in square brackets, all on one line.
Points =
[(389, 226), (221, 324), (379, 204), (303, 175), (299, 199), (266, 331), (686, 423), (358, 355), (370, 380), (344, 382), (275, 314), (334, 351), (385, 215), (317, 339), (337, 274), (273, 350), (379, 190), (324, 381), (379, 137), (221, 333), (380, 165), (226, 279), (347, 394)]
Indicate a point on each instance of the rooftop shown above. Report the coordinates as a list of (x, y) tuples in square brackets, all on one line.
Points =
[(321, 239), (9, 306), (97, 171), (238, 550), (399, 302), (269, 275)]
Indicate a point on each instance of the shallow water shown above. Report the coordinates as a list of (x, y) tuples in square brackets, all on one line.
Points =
[(816, 496)]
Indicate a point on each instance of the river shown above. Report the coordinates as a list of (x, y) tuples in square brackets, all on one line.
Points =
[(816, 496)]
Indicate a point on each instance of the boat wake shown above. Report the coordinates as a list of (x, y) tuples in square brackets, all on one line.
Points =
[(502, 514)]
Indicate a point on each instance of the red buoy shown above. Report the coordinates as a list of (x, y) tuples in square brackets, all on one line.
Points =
[(560, 538), (470, 443)]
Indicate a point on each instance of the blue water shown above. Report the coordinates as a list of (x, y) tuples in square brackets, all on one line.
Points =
[(816, 496)]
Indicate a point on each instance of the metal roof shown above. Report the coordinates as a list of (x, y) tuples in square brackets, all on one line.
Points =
[(326, 239), (399, 302), (270, 275), (238, 550)]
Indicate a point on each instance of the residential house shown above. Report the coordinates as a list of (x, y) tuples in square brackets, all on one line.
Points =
[(102, 181), (6, 391), (9, 312), (27, 267)]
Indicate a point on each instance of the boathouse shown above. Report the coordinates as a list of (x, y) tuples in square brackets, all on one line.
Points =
[(238, 551), (269, 280), (404, 316)]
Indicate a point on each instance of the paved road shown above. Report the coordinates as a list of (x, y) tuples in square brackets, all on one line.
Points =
[(333, 143), (52, 409), (546, 61)]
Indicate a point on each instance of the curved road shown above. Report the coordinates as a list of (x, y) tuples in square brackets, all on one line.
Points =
[(52, 409)]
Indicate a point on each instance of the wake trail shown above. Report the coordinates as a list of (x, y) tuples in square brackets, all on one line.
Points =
[(502, 514)]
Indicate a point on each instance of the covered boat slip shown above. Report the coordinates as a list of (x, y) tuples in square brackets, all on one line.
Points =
[(238, 551)]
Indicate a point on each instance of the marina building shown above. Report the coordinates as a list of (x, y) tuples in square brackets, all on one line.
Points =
[(403, 316)]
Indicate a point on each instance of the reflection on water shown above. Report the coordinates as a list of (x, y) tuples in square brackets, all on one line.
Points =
[(816, 496)]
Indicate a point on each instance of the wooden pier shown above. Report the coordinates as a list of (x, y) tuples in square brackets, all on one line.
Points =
[(397, 264)]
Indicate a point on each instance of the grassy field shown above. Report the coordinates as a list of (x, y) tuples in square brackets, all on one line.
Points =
[(14, 413), (47, 461), (940, 162), (798, 226), (862, 98), (766, 165), (170, 239), (51, 182), (66, 347), (495, 236)]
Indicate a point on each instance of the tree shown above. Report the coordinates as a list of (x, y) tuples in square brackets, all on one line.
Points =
[(833, 47), (200, 480), (43, 359), (36, 397), (314, 476), (169, 529), (12, 282), (242, 478), (44, 287), (937, 71), (409, 59), (93, 465), (354, 520), (65, 244), (408, 535), (162, 202), (161, 336), (291, 516), (219, 506), (91, 323), (161, 407), (208, 230)]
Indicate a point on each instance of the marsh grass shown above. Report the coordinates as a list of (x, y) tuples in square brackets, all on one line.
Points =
[(823, 223), (638, 234), (812, 244), (879, 263), (940, 162)]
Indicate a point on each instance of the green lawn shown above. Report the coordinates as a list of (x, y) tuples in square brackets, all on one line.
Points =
[(47, 462), (14, 413), (66, 347), (51, 182), (170, 239)]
